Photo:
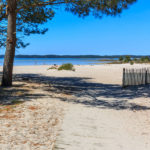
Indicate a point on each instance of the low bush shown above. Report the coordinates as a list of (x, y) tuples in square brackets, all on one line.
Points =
[(129, 59), (121, 58), (131, 62), (68, 66)]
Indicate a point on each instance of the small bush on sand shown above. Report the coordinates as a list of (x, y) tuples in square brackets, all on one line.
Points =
[(68, 66), (121, 58), (131, 62), (127, 59)]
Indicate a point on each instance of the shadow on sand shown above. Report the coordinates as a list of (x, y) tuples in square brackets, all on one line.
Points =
[(106, 96), (19, 93)]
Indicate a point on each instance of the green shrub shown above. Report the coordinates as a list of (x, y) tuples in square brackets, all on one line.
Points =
[(135, 59), (131, 62), (142, 59), (145, 59), (127, 59), (68, 66), (121, 58)]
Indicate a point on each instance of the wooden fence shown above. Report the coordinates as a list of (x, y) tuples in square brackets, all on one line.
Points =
[(136, 77)]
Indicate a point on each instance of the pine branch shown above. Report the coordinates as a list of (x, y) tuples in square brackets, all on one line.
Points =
[(41, 4)]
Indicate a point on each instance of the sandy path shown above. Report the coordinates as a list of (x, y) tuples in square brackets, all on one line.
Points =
[(101, 129)]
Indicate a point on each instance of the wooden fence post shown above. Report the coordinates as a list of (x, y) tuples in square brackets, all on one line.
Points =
[(146, 76), (123, 79)]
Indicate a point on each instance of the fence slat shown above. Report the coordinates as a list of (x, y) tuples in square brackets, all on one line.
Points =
[(123, 81)]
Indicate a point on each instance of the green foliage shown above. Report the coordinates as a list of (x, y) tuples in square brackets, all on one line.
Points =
[(142, 59), (127, 59), (31, 14), (29, 20), (131, 62), (145, 59), (121, 58), (135, 59), (68, 66)]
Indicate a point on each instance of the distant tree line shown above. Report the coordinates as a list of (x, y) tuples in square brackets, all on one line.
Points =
[(79, 56), (132, 60)]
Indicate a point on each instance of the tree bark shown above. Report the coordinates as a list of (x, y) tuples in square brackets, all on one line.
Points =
[(11, 44)]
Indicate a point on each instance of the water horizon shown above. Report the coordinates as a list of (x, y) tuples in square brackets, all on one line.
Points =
[(57, 61)]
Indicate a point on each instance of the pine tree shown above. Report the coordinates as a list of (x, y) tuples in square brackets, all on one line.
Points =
[(24, 17)]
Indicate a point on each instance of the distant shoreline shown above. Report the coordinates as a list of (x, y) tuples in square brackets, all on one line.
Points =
[(73, 56)]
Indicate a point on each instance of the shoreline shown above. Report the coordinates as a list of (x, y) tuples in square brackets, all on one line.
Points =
[(93, 64)]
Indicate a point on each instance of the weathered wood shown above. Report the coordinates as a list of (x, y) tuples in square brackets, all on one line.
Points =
[(136, 77), (123, 79)]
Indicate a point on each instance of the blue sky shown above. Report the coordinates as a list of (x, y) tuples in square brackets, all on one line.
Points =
[(128, 33)]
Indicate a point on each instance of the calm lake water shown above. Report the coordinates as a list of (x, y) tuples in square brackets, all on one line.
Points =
[(51, 61)]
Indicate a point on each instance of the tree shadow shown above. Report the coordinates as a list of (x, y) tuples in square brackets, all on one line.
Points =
[(20, 92), (106, 96)]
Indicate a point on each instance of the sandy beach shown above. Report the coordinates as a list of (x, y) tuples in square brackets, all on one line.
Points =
[(73, 110)]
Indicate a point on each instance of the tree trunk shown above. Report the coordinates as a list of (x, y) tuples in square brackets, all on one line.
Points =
[(11, 44)]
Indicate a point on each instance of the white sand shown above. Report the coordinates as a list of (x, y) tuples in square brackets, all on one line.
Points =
[(99, 115), (109, 74)]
